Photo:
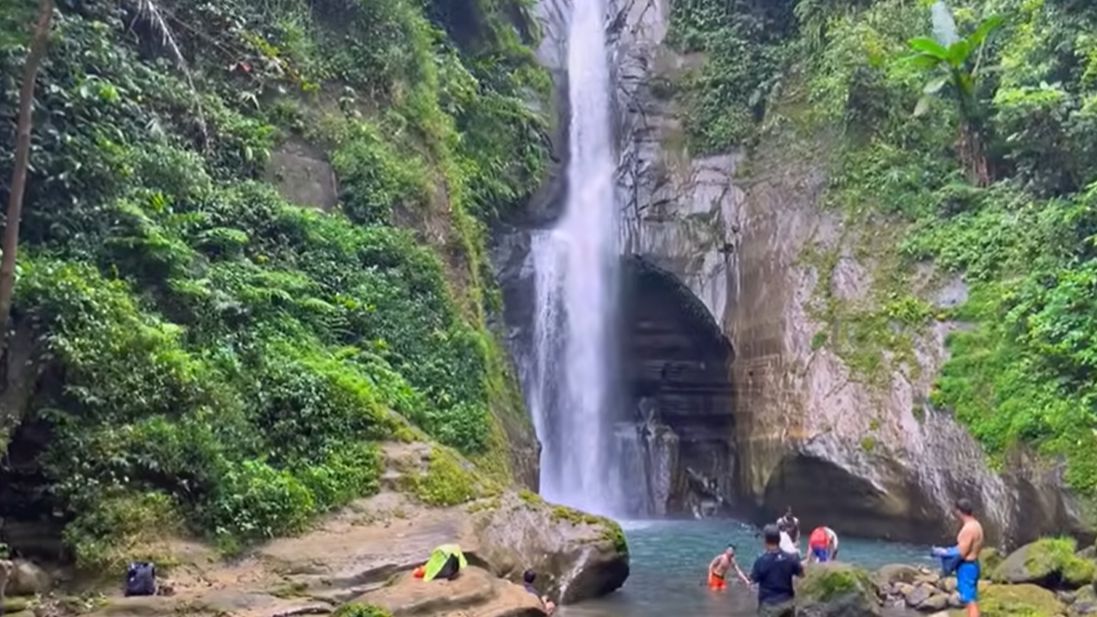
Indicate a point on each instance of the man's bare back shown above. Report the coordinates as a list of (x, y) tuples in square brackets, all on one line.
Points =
[(970, 540), (720, 565)]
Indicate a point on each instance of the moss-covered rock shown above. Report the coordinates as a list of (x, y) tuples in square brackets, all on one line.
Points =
[(1049, 562), (14, 605), (576, 555), (1019, 601), (836, 590)]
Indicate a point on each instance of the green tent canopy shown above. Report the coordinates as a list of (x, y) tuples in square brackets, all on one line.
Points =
[(445, 562)]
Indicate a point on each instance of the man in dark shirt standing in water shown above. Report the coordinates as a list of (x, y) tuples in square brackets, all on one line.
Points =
[(773, 572)]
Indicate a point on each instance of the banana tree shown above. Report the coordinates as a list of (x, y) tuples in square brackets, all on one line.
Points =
[(954, 62)]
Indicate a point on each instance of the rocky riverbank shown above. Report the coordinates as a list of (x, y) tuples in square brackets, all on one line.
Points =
[(1047, 578), (364, 555)]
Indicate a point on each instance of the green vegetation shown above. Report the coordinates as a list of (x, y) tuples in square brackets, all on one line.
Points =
[(212, 358), (948, 58), (447, 481), (1019, 601), (611, 530), (727, 96), (868, 444), (912, 193)]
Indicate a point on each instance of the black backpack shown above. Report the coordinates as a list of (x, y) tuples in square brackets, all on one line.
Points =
[(141, 579)]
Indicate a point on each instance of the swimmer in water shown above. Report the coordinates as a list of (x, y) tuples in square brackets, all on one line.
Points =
[(718, 569)]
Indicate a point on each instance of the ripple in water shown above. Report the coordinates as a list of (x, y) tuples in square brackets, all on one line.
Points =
[(670, 560)]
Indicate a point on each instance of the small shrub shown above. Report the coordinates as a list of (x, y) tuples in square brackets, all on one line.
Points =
[(115, 530), (256, 501), (868, 444), (446, 482)]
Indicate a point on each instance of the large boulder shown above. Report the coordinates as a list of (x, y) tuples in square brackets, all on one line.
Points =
[(1050, 562), (576, 555), (27, 579), (836, 590)]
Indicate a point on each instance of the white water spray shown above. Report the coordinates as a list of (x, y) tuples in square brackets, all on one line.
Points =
[(576, 292)]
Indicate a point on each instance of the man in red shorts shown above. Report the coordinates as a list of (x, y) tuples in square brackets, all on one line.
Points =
[(718, 569)]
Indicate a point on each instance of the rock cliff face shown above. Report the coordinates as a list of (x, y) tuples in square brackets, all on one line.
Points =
[(734, 407)]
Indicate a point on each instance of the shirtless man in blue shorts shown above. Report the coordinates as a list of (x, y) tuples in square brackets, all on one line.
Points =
[(970, 543)]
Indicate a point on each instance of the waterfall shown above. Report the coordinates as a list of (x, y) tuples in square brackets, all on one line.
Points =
[(576, 263)]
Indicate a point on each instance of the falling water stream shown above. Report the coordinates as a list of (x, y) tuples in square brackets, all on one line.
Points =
[(576, 266)]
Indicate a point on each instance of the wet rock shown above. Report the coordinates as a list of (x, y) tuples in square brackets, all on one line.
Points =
[(836, 590), (576, 556), (27, 579), (1048, 562)]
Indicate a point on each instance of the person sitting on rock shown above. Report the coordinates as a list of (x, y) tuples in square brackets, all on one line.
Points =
[(773, 572), (822, 545), (528, 577), (718, 569)]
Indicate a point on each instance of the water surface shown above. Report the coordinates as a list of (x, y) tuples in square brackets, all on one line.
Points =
[(669, 561)]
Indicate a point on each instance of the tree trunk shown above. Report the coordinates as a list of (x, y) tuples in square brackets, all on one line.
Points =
[(19, 170), (973, 156)]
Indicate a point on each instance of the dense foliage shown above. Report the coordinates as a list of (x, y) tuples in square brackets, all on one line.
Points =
[(213, 356), (1024, 369)]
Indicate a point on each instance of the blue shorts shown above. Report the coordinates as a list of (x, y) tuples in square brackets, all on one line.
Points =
[(967, 581), (820, 553)]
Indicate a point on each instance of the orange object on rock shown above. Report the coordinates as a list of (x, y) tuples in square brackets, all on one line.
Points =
[(419, 572)]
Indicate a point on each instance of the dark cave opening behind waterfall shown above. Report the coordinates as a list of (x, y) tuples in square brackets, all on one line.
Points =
[(674, 428)]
